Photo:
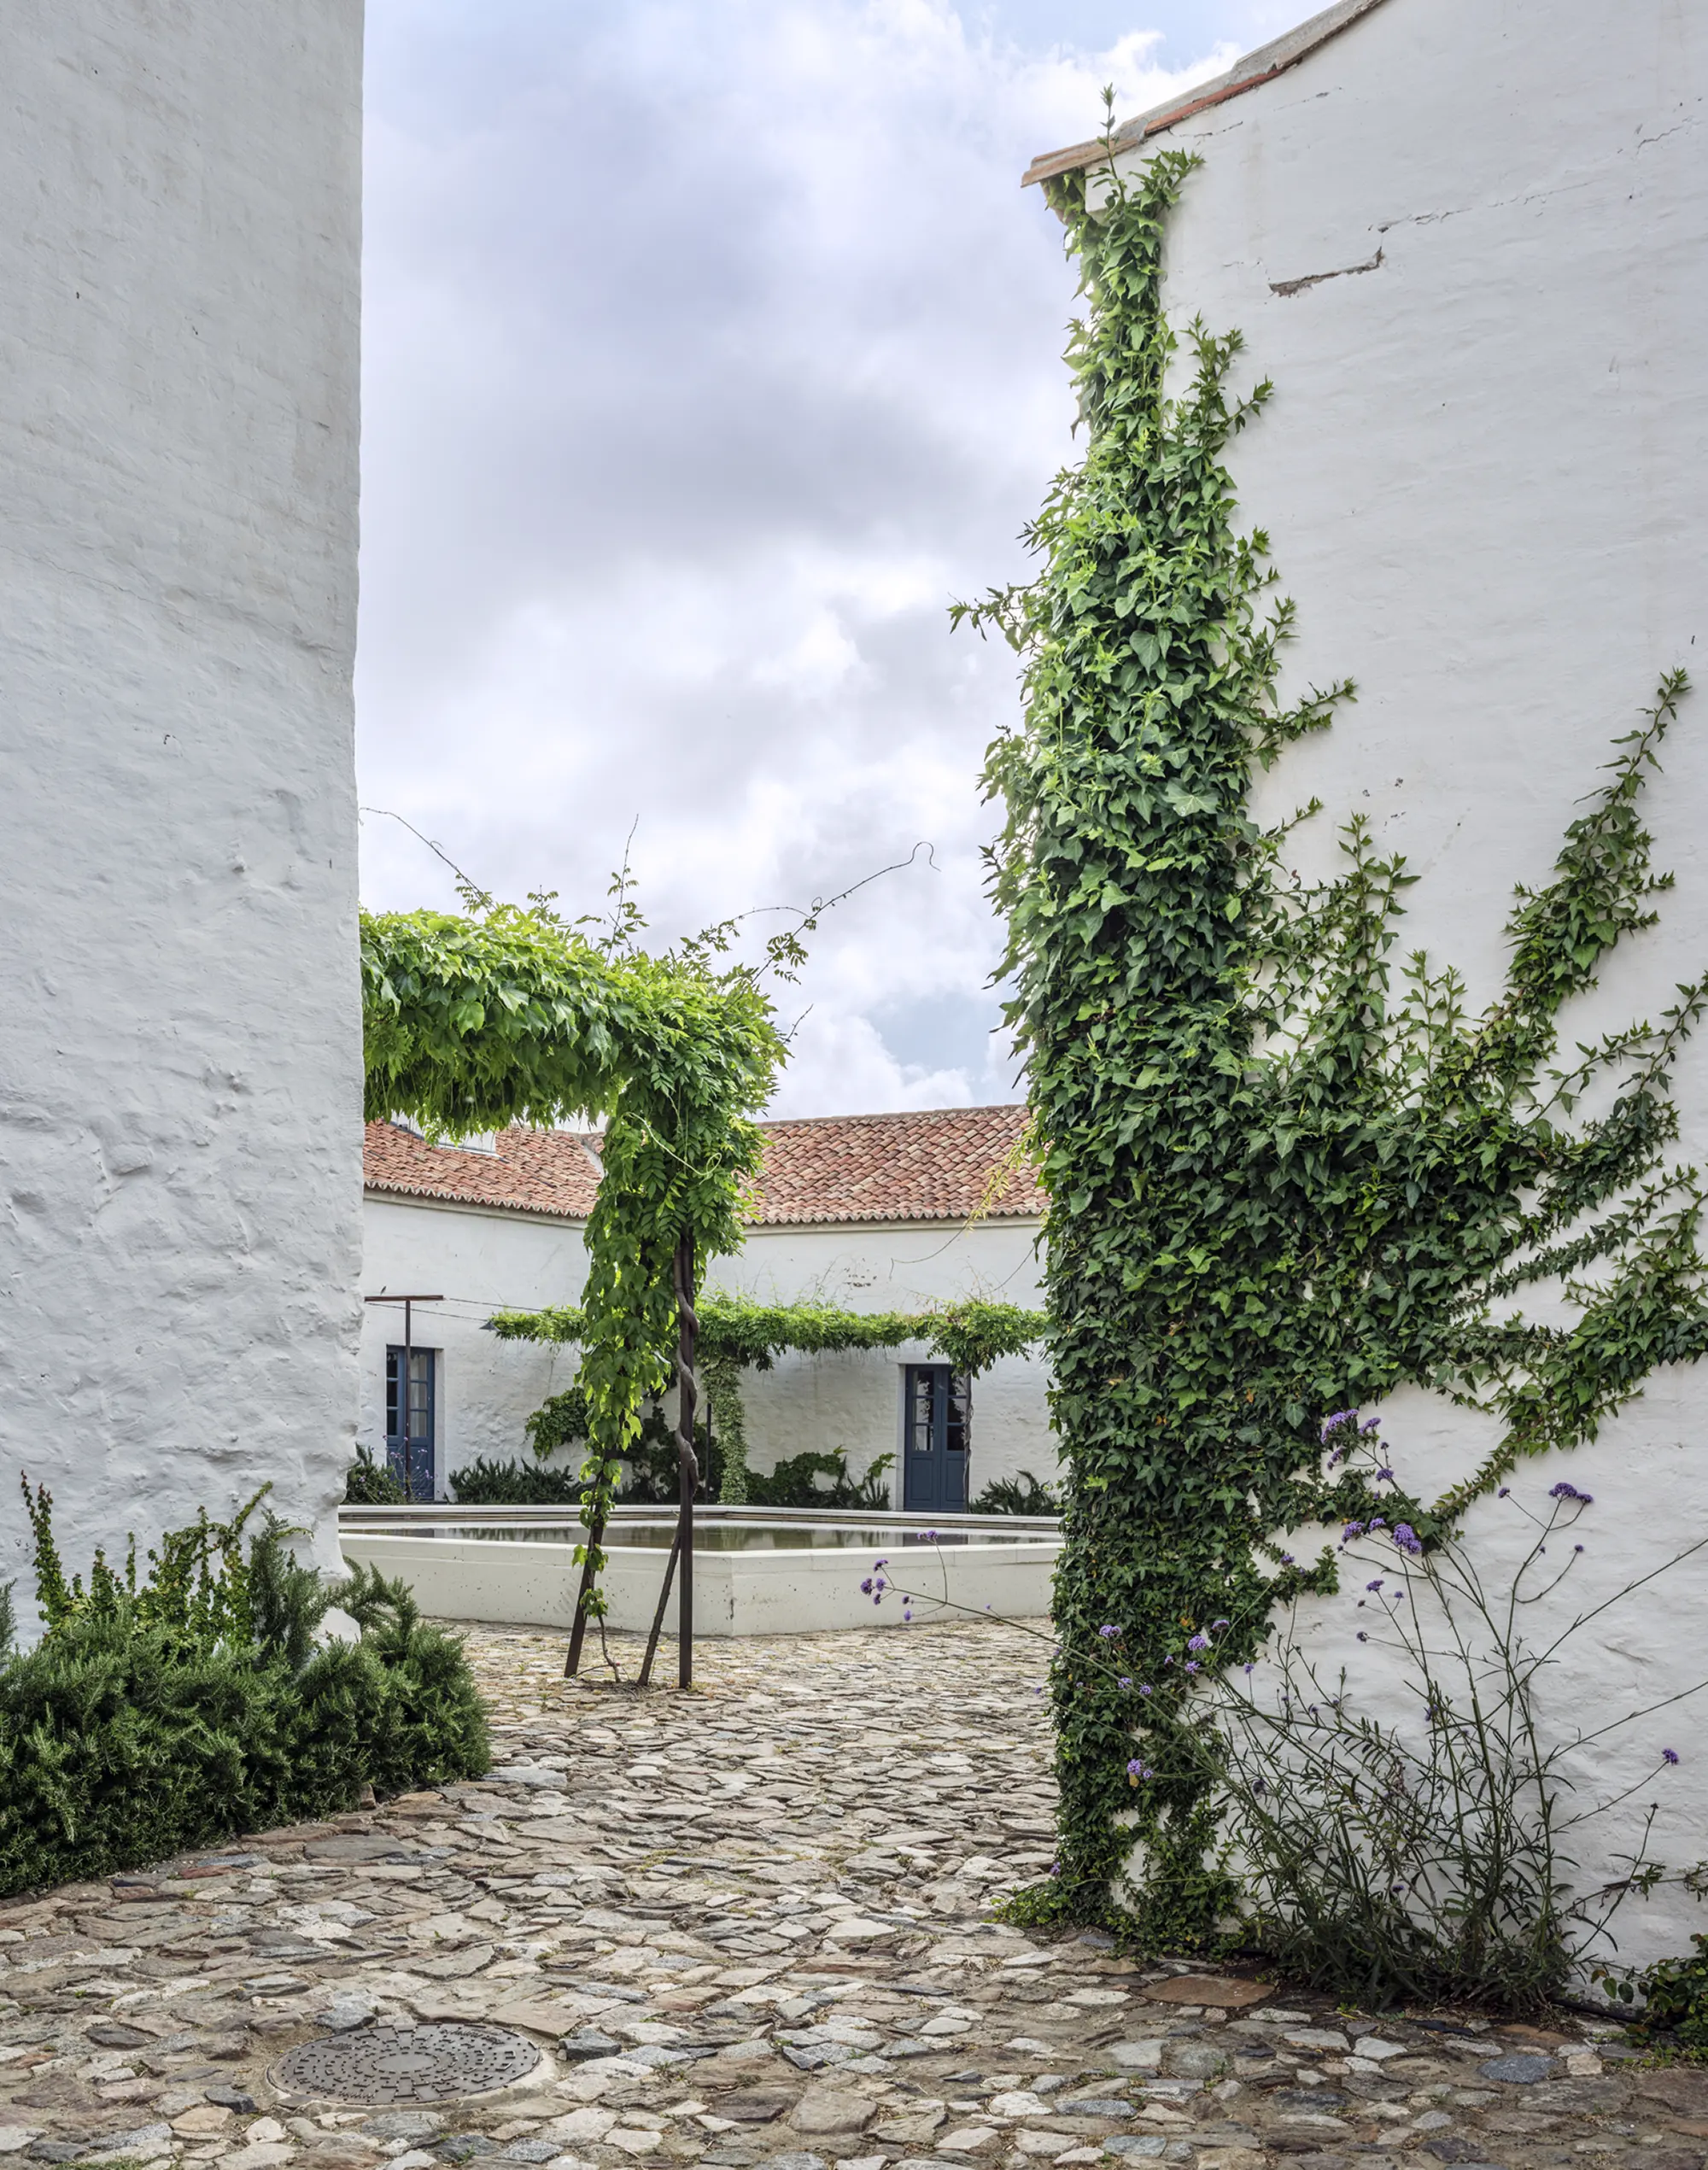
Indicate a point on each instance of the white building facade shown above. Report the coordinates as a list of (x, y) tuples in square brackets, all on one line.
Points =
[(873, 1214), (180, 1071), (1468, 242)]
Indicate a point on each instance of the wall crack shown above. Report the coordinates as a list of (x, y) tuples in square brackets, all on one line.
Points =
[(1316, 278)]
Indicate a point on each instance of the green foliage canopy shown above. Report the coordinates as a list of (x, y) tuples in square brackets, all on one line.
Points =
[(1284, 1178), (509, 1015)]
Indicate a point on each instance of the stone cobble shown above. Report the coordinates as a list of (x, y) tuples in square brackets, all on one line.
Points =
[(750, 1925)]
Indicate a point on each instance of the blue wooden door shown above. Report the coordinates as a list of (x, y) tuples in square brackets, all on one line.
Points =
[(409, 1421), (935, 1457)]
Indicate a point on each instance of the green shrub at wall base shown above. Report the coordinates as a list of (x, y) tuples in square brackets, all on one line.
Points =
[(117, 1748), (126, 1738)]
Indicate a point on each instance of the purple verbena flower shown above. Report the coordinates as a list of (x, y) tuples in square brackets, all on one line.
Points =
[(1198, 1642), (1147, 1689), (1406, 1538), (1384, 1477), (1286, 1559), (1214, 1624), (1565, 1491), (1669, 1755), (1193, 1666), (1352, 1529), (1126, 1681), (866, 1586), (1108, 1631), (1137, 1770)]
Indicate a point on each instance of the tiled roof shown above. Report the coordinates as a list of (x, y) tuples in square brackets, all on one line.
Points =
[(1261, 67), (935, 1164), (534, 1171)]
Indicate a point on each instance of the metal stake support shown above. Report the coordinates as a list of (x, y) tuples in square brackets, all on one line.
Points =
[(687, 1462), (658, 1616)]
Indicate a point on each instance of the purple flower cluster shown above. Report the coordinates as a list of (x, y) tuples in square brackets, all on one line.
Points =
[(1198, 1642), (1669, 1755), (1564, 1491), (1107, 1631), (1406, 1538), (1136, 1770)]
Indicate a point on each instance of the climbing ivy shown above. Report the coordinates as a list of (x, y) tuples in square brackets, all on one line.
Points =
[(738, 1334), (1288, 1172)]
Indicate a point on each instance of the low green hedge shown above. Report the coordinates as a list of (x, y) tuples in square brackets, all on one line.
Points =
[(150, 1721)]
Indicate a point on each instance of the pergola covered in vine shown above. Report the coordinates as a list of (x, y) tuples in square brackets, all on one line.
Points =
[(509, 1015)]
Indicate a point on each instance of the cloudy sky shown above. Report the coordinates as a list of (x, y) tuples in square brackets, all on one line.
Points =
[(712, 348)]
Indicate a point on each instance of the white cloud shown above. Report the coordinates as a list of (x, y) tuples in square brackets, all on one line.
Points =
[(712, 349)]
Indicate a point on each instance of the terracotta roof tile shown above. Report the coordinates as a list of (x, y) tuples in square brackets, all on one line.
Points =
[(533, 1171), (931, 1164)]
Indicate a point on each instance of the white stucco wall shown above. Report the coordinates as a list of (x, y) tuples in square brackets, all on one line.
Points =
[(853, 1402), (481, 1260), (484, 1260), (180, 1066), (1485, 476)]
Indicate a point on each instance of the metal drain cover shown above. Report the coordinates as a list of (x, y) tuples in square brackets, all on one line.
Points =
[(406, 2064)]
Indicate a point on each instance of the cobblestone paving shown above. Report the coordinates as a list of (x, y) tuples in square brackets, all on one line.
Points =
[(746, 1926)]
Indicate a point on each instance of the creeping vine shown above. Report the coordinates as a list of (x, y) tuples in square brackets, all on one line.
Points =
[(1288, 1171), (737, 1334)]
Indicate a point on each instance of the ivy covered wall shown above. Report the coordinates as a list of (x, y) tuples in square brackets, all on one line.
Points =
[(1288, 1176)]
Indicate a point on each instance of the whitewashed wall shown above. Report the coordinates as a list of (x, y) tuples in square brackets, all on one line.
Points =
[(180, 1067), (1485, 476), (484, 1260)]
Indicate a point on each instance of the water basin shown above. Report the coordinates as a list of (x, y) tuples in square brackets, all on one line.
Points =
[(783, 1572)]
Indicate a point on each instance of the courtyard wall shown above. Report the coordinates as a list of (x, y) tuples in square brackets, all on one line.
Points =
[(1467, 240), (180, 1071), (483, 1259)]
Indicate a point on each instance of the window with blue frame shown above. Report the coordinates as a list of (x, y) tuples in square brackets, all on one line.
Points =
[(937, 1438), (409, 1431)]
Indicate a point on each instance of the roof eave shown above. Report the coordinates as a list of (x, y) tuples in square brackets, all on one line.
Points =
[(1257, 68)]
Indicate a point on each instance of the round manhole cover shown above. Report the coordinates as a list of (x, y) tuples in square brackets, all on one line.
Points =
[(406, 2064)]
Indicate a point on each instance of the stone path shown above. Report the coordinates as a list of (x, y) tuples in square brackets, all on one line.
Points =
[(746, 1926)]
